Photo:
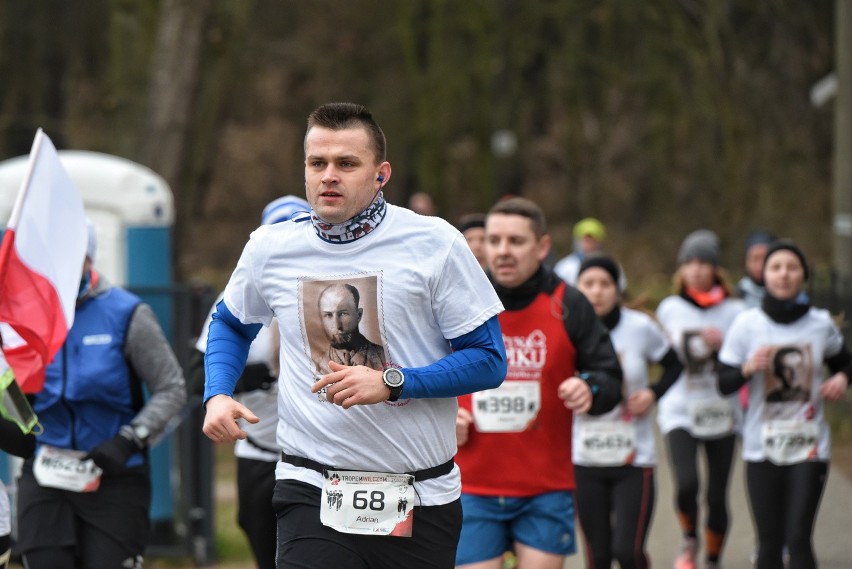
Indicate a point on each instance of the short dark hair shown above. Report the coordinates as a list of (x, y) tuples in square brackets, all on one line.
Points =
[(471, 220), (340, 116), (525, 208), (778, 366)]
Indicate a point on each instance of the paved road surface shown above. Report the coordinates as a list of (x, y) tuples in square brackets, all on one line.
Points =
[(832, 537)]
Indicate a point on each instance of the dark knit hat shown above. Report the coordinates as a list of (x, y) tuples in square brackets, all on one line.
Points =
[(701, 244), (470, 221), (604, 262), (787, 245), (759, 237)]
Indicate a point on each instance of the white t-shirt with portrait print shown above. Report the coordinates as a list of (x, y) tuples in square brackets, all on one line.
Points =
[(816, 336), (698, 383), (419, 286), (638, 340)]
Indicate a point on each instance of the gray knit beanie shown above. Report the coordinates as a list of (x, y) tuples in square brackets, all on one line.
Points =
[(701, 244)]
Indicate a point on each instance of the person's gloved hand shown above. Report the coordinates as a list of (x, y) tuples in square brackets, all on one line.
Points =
[(14, 441), (112, 455)]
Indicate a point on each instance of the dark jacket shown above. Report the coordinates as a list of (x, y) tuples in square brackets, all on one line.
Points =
[(596, 359)]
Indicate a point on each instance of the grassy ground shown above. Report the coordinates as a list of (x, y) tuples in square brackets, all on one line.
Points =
[(232, 549)]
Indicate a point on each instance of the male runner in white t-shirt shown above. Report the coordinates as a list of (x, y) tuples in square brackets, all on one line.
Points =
[(367, 477)]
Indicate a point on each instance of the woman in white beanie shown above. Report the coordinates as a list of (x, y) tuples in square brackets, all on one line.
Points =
[(692, 413)]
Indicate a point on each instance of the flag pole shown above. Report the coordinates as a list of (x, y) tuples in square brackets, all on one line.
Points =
[(25, 184), (6, 245)]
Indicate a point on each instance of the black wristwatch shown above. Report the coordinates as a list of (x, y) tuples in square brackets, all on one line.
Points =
[(138, 434), (394, 379)]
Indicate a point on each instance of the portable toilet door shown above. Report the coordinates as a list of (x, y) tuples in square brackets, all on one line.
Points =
[(132, 209)]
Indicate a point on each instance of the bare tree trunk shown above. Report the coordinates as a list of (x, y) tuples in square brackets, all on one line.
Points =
[(175, 71), (843, 149)]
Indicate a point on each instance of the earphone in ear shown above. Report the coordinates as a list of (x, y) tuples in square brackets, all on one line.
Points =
[(381, 178)]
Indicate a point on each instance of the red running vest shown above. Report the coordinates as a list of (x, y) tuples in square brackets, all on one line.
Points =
[(538, 459)]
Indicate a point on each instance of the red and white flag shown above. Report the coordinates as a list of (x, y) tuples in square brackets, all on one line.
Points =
[(41, 262)]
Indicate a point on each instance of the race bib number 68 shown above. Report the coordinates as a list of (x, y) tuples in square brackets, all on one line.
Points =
[(370, 503)]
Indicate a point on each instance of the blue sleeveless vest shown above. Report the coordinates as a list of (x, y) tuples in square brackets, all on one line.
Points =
[(89, 390)]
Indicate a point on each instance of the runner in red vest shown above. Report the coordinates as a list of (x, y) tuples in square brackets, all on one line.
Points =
[(515, 440)]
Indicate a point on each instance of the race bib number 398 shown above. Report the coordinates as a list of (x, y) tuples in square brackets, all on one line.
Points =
[(369, 503), (509, 408)]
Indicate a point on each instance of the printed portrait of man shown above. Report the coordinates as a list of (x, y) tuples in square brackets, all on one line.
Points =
[(790, 377), (700, 357), (339, 330)]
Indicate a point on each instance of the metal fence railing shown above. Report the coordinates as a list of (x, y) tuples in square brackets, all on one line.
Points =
[(189, 529)]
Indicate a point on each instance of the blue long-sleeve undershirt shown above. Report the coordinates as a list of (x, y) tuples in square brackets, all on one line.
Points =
[(478, 360), (228, 342)]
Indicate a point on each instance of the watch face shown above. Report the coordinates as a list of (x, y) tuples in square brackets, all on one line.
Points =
[(394, 377), (141, 433)]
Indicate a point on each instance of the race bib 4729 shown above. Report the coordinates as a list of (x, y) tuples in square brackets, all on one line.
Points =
[(789, 441)]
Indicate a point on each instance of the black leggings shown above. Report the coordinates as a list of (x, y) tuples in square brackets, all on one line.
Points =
[(255, 484), (683, 453), (305, 543), (614, 506), (5, 550), (784, 504), (57, 557)]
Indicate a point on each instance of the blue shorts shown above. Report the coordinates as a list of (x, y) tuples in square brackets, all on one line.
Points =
[(491, 524)]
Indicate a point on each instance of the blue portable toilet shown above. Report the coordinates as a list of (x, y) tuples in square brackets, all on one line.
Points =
[(132, 210)]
